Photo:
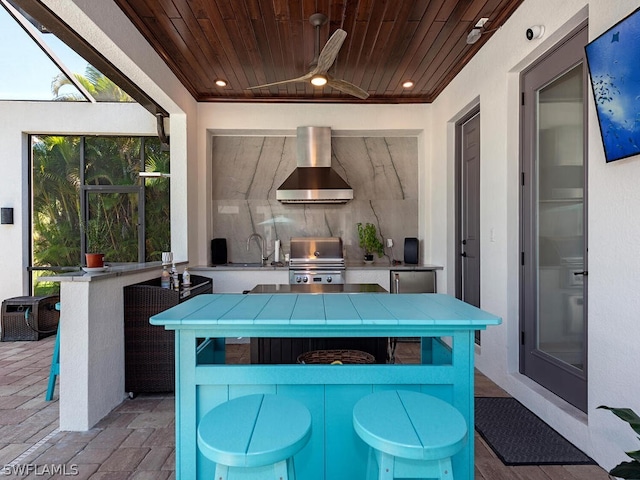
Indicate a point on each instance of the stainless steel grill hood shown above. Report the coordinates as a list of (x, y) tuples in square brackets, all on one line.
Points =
[(314, 181)]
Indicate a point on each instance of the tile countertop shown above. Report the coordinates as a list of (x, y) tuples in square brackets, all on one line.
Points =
[(354, 265)]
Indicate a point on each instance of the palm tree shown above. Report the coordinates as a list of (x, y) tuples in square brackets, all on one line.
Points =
[(100, 87)]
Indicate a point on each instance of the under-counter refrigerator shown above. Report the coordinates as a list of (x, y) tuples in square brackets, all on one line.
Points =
[(413, 281), (409, 281)]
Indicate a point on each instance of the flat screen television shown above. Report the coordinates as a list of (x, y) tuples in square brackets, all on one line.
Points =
[(613, 60)]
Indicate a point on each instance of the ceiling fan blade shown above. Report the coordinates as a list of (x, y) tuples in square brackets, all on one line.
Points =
[(346, 87), (303, 78), (329, 52)]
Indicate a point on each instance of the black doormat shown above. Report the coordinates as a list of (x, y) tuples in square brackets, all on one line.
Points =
[(519, 437)]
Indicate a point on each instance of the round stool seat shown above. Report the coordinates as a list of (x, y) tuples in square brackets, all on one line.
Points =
[(410, 425), (254, 430)]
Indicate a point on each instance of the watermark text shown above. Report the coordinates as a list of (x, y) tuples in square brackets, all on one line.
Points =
[(25, 469)]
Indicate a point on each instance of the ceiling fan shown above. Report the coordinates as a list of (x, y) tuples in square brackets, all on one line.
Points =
[(323, 61)]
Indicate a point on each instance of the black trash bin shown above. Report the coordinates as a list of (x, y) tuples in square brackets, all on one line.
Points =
[(29, 318)]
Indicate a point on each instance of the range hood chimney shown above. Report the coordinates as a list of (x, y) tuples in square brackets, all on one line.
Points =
[(313, 180)]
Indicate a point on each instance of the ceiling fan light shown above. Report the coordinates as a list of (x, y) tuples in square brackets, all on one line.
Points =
[(221, 82), (408, 84), (319, 80)]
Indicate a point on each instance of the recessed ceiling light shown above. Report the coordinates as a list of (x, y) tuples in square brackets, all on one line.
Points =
[(319, 80), (221, 83), (407, 84)]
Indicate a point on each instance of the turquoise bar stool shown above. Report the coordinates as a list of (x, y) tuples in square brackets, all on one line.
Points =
[(255, 437), (410, 434), (54, 371)]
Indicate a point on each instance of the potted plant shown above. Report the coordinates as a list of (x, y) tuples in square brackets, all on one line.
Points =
[(629, 470), (97, 235), (369, 241)]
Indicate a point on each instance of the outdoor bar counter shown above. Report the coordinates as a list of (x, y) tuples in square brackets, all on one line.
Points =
[(91, 330), (445, 324)]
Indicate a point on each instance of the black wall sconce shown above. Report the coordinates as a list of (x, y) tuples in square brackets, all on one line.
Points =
[(6, 216)]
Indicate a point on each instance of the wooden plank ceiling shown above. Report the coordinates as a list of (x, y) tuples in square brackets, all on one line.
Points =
[(254, 42)]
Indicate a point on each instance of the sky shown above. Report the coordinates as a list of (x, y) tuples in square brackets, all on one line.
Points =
[(26, 72)]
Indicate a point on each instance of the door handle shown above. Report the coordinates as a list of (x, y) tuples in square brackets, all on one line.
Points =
[(584, 273)]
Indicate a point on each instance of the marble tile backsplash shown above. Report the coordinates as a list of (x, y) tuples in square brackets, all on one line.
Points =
[(247, 170)]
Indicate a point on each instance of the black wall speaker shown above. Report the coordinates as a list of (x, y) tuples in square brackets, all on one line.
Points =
[(411, 250), (6, 216), (218, 251)]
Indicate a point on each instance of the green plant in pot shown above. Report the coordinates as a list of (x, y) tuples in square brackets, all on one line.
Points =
[(97, 235), (628, 470), (369, 241)]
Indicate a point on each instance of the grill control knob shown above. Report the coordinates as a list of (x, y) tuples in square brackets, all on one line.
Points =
[(305, 279), (329, 279), (298, 279)]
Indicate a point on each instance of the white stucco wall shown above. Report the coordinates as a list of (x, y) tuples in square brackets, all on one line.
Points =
[(491, 79), (614, 280)]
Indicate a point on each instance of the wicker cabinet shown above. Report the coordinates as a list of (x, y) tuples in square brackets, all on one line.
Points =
[(29, 318), (149, 350)]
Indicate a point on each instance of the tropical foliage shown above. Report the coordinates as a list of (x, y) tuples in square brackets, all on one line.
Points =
[(629, 470), (57, 216), (100, 87), (111, 188)]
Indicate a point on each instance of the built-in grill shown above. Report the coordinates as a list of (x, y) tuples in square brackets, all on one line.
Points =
[(316, 260), (316, 266)]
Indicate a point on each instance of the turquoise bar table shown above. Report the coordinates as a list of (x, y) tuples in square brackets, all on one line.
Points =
[(334, 452)]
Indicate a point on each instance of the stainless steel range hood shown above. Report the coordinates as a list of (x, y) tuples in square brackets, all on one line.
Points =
[(314, 181)]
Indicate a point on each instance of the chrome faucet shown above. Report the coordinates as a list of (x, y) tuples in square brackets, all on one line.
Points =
[(257, 236)]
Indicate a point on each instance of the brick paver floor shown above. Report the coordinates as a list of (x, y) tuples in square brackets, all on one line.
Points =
[(136, 440)]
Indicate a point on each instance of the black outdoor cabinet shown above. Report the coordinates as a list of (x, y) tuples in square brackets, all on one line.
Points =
[(149, 355)]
